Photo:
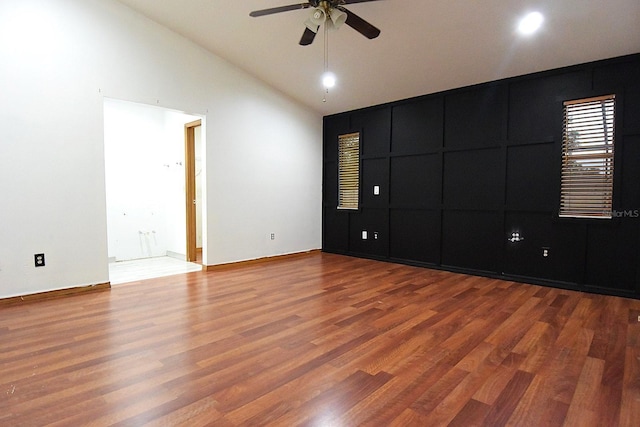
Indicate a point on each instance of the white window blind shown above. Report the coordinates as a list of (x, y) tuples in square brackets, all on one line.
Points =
[(587, 158), (348, 170)]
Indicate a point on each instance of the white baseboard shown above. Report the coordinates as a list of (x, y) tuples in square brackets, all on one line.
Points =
[(181, 257)]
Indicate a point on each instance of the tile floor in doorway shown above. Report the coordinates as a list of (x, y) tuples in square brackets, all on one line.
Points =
[(148, 268)]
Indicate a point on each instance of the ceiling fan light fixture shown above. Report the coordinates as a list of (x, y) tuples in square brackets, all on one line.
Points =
[(338, 18), (318, 16), (311, 26), (328, 79)]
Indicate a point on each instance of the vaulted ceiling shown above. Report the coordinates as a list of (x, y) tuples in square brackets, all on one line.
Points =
[(424, 46)]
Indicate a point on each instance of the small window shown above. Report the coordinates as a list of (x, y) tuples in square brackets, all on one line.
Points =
[(348, 170), (587, 158)]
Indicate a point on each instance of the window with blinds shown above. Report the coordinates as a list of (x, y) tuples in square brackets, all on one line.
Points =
[(587, 158), (348, 170)]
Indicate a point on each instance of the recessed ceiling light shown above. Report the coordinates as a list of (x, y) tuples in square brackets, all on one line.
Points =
[(530, 23)]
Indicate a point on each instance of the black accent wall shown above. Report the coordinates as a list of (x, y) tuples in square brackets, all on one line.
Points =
[(460, 170)]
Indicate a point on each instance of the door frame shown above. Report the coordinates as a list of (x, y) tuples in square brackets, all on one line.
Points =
[(190, 187)]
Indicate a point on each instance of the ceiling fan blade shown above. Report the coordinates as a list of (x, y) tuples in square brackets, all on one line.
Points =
[(360, 25), (357, 1), (279, 9), (307, 37)]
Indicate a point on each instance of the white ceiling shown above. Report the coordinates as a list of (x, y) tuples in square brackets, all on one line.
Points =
[(424, 47)]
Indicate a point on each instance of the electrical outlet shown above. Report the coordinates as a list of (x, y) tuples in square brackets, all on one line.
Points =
[(273, 236), (545, 252), (38, 260)]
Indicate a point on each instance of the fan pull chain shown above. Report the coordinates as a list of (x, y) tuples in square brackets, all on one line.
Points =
[(326, 57)]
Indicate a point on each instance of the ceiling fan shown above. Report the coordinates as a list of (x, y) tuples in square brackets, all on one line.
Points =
[(331, 13)]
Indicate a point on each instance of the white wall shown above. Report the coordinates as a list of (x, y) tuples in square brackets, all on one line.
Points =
[(58, 60)]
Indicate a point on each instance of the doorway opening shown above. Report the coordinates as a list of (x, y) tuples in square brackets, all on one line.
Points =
[(146, 185)]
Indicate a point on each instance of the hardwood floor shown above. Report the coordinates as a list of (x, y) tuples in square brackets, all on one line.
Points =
[(322, 340)]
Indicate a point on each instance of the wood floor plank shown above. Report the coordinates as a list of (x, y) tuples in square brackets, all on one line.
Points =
[(330, 406), (630, 402), (508, 399), (322, 339), (472, 414), (586, 396), (494, 385), (409, 387), (280, 401)]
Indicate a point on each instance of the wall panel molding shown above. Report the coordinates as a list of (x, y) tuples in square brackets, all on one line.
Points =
[(461, 170)]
